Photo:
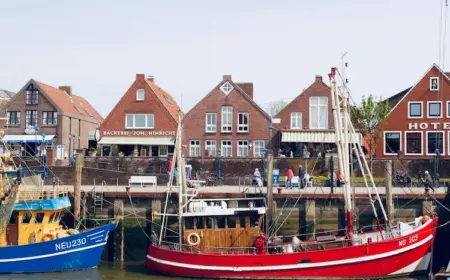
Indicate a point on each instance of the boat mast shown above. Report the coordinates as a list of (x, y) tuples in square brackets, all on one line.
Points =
[(180, 174), (341, 134)]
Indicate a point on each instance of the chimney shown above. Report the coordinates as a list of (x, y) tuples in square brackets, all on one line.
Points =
[(226, 78), (67, 89), (247, 88), (318, 79), (150, 78), (140, 76)]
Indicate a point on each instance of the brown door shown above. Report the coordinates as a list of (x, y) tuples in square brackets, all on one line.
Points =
[(12, 233)]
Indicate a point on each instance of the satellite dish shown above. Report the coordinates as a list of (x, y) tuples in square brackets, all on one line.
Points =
[(30, 130)]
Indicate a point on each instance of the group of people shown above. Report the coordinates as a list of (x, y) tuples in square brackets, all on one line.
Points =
[(301, 175)]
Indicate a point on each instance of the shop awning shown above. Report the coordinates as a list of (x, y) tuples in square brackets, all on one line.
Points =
[(137, 141), (313, 136), (27, 138)]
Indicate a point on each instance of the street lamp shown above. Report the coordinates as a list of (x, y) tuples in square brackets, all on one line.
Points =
[(270, 136), (263, 153), (73, 148)]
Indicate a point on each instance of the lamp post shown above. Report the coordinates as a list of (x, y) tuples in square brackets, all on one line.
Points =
[(263, 153), (270, 127), (218, 164), (73, 148)]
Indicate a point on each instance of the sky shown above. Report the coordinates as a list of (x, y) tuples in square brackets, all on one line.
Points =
[(98, 47)]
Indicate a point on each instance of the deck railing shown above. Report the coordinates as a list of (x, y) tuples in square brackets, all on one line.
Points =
[(37, 193)]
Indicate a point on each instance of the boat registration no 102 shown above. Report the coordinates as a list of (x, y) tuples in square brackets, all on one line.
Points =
[(411, 240), (70, 244)]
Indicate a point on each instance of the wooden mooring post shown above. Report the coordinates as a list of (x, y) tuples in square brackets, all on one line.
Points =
[(388, 182), (148, 225), (79, 159)]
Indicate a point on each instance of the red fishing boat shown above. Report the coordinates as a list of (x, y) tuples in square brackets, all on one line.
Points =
[(224, 238)]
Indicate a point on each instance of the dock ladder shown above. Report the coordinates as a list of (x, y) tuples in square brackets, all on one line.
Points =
[(98, 197)]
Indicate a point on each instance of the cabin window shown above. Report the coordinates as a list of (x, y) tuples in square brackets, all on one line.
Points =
[(189, 223), (52, 217), (231, 221), (210, 222), (254, 221), (13, 219), (39, 218), (220, 222), (242, 221), (26, 218), (199, 223), (57, 216)]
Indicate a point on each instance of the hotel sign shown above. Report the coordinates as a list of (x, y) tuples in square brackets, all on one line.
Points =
[(137, 133), (434, 125)]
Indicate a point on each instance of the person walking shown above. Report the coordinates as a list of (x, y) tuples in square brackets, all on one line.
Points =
[(289, 176), (301, 176), (428, 182), (338, 178), (257, 179)]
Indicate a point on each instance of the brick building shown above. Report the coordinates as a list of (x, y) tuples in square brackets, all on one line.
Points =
[(419, 120), (40, 113), (5, 97), (306, 125), (227, 118), (143, 122)]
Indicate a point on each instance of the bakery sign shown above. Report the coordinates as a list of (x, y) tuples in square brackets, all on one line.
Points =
[(137, 133), (433, 125)]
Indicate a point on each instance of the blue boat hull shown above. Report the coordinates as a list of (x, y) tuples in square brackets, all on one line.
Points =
[(79, 251)]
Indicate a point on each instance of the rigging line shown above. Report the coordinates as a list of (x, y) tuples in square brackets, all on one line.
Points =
[(132, 207)]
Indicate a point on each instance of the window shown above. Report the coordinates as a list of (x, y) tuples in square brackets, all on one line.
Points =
[(50, 118), (140, 121), (13, 218), (243, 122), (220, 222), (52, 217), (296, 120), (231, 221), (242, 148), (434, 109), (434, 84), (414, 109), (26, 218), (211, 122), (210, 222), (210, 148), (163, 150), (242, 221), (226, 88), (413, 143), (189, 223), (435, 141), (31, 118), (318, 112), (140, 95), (448, 109), (194, 148), (227, 119), (254, 221), (39, 218), (13, 118), (32, 97), (168, 99), (258, 148), (199, 223), (392, 144), (227, 148)]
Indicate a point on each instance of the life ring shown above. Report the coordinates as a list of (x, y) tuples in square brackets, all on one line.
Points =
[(193, 239), (48, 236)]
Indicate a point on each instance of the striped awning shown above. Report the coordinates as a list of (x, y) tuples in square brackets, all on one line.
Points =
[(137, 141), (314, 136)]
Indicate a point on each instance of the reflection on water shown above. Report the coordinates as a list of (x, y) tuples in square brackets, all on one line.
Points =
[(132, 271)]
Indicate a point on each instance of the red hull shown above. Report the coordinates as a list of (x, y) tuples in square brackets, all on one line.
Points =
[(400, 256)]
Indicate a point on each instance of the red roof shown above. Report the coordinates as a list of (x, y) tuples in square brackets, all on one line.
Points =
[(72, 104), (165, 98)]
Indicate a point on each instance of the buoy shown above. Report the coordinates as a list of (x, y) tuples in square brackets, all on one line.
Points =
[(193, 239), (425, 219)]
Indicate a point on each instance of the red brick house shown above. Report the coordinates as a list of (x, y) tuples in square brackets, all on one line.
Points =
[(419, 121), (306, 125), (228, 119), (143, 122), (41, 114)]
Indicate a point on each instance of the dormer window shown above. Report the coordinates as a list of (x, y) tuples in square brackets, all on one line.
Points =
[(32, 95), (434, 83), (226, 88), (140, 95)]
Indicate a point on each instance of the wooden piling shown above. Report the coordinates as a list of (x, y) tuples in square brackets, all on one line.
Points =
[(111, 238), (388, 182), (148, 225), (79, 159), (119, 213), (269, 213)]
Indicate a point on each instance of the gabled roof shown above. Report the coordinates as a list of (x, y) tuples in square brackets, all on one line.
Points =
[(6, 94), (166, 99), (239, 90), (72, 104), (393, 100)]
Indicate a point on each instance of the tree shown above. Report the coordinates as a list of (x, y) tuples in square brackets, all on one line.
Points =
[(276, 107), (368, 118)]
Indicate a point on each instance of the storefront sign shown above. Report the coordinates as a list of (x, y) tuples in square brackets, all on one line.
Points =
[(138, 133), (434, 125)]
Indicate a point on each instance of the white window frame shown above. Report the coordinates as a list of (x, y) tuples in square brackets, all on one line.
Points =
[(310, 112), (409, 109), (142, 92), (406, 142), (210, 128), (384, 143), (146, 120), (255, 146), (431, 82), (300, 123), (448, 109), (209, 146), (8, 116), (222, 119), (45, 118), (226, 88), (165, 154), (428, 109), (243, 147), (222, 149), (443, 142), (195, 146), (243, 126)]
